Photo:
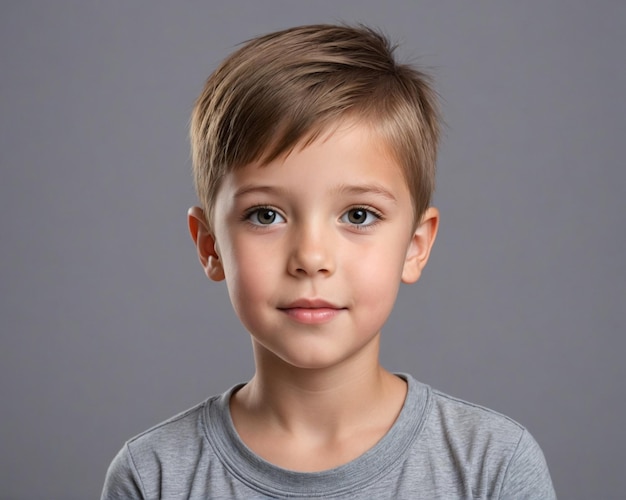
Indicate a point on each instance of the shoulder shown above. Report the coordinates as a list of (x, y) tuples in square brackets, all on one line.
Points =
[(485, 441), (173, 435), (461, 416), (156, 454)]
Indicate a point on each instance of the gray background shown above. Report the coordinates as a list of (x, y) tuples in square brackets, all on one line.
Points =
[(108, 325)]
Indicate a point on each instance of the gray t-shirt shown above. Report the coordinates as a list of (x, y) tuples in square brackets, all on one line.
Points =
[(438, 448)]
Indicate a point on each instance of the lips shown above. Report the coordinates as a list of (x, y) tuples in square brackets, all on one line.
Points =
[(311, 304), (311, 311)]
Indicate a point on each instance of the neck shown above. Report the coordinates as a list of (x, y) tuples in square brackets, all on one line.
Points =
[(329, 401)]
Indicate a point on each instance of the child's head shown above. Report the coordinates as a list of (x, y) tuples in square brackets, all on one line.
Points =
[(285, 89), (314, 158)]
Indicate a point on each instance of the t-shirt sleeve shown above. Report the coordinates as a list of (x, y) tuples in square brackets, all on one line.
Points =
[(527, 476), (122, 480)]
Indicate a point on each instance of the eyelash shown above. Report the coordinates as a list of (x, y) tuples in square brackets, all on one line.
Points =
[(255, 209), (370, 210), (359, 227)]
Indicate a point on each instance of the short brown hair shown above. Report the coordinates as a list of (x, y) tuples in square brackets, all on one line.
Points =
[(287, 87)]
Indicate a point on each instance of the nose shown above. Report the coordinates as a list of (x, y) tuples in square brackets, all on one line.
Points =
[(312, 252)]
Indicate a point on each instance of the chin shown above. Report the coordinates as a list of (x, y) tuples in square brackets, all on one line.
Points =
[(317, 361)]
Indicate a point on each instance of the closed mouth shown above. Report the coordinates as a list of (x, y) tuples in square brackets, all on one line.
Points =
[(310, 304), (311, 311)]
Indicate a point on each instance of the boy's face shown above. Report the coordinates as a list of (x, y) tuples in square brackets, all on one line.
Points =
[(314, 246)]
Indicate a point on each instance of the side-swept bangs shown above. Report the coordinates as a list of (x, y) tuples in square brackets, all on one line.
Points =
[(284, 89)]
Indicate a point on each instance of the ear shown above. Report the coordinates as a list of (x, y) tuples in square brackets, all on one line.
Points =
[(205, 244), (420, 246)]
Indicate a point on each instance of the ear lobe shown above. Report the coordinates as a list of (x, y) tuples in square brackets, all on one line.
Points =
[(205, 244), (420, 245)]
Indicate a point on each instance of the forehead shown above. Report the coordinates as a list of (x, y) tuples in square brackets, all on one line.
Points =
[(343, 138), (347, 154)]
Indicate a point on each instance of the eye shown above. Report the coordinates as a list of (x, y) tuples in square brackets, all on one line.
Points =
[(264, 216), (360, 216)]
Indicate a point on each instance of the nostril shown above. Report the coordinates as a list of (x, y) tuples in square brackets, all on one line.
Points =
[(305, 271), (310, 257)]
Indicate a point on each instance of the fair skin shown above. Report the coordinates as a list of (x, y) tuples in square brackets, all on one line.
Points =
[(313, 248)]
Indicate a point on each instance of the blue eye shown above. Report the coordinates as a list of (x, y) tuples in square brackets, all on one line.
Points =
[(360, 216), (264, 217)]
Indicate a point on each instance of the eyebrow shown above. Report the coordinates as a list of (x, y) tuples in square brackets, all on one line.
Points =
[(343, 189), (251, 188), (375, 189)]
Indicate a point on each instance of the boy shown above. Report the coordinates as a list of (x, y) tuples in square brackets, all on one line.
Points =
[(314, 157)]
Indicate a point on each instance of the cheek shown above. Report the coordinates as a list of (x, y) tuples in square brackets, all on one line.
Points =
[(378, 289), (377, 277), (249, 272)]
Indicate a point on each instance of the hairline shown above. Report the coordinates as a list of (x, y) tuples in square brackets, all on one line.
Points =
[(319, 131)]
